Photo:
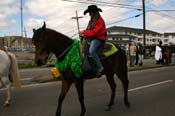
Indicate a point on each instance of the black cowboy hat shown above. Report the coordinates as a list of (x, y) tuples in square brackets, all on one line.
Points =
[(92, 8)]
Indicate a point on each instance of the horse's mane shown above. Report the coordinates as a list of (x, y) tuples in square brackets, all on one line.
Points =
[(52, 33), (56, 33)]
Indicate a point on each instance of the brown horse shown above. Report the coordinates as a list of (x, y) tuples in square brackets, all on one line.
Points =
[(49, 41)]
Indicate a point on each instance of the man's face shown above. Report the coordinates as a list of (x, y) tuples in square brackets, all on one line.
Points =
[(90, 13)]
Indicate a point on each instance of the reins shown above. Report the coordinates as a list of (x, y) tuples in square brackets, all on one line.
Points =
[(72, 59), (64, 52)]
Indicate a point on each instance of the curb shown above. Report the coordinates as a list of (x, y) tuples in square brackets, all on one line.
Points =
[(50, 78), (151, 66)]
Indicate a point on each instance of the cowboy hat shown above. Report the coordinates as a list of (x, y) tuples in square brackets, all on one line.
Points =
[(92, 8)]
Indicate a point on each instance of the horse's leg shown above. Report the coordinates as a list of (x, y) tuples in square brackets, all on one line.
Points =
[(123, 76), (79, 84), (0, 85), (7, 102), (6, 82), (110, 80), (65, 88)]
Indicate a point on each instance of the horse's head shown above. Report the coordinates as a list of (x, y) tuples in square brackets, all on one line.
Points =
[(47, 41), (41, 45)]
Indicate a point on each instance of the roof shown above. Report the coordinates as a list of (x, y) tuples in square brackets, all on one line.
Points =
[(129, 29), (169, 34), (121, 35)]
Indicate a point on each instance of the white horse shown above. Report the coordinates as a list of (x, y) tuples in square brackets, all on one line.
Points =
[(8, 72)]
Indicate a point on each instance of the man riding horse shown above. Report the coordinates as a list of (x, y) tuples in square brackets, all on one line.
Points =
[(95, 34)]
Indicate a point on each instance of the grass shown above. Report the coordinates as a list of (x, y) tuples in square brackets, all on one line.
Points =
[(24, 66), (21, 66)]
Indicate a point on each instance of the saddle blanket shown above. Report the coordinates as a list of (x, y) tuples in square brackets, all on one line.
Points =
[(109, 49)]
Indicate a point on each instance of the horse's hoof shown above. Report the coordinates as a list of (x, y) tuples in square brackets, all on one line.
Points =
[(108, 108), (83, 114), (128, 105), (6, 104)]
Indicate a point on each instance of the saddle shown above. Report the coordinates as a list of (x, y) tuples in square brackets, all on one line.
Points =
[(107, 50), (89, 68)]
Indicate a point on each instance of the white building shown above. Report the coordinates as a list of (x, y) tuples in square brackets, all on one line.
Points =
[(170, 37), (125, 35)]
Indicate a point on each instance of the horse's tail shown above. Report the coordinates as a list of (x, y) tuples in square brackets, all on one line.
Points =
[(14, 71)]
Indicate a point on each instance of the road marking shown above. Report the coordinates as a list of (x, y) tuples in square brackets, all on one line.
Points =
[(39, 84), (130, 90), (34, 85), (26, 79), (150, 85)]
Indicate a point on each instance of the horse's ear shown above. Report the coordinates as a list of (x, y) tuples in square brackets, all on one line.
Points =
[(44, 25), (34, 30)]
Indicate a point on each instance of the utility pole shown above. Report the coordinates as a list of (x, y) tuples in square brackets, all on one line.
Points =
[(77, 18), (21, 19), (25, 33), (144, 23)]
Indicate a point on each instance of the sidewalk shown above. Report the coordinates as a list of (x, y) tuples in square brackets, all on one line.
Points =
[(147, 64)]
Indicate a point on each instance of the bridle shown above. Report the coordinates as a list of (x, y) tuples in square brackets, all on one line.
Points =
[(64, 52)]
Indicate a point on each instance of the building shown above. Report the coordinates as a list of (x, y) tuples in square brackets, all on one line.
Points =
[(15, 42), (170, 37), (125, 35)]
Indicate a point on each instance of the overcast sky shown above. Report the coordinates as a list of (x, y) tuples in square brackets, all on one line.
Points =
[(58, 13)]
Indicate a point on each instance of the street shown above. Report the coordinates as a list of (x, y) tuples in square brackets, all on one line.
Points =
[(151, 93), (44, 35)]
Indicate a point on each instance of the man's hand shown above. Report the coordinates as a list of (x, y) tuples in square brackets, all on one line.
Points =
[(81, 33)]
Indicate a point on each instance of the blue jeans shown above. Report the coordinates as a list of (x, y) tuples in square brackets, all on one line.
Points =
[(94, 45), (132, 60), (140, 58)]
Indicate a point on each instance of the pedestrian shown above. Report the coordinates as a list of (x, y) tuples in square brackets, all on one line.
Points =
[(161, 60), (132, 53), (158, 54), (137, 55), (167, 55), (141, 52), (95, 34), (127, 49)]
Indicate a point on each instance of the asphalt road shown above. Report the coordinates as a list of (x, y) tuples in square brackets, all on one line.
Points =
[(151, 93)]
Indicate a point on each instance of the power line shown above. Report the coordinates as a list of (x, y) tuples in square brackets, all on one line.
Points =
[(113, 3), (126, 19), (161, 13), (104, 4), (160, 10)]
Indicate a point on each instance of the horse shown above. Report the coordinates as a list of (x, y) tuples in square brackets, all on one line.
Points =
[(8, 73), (49, 41)]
